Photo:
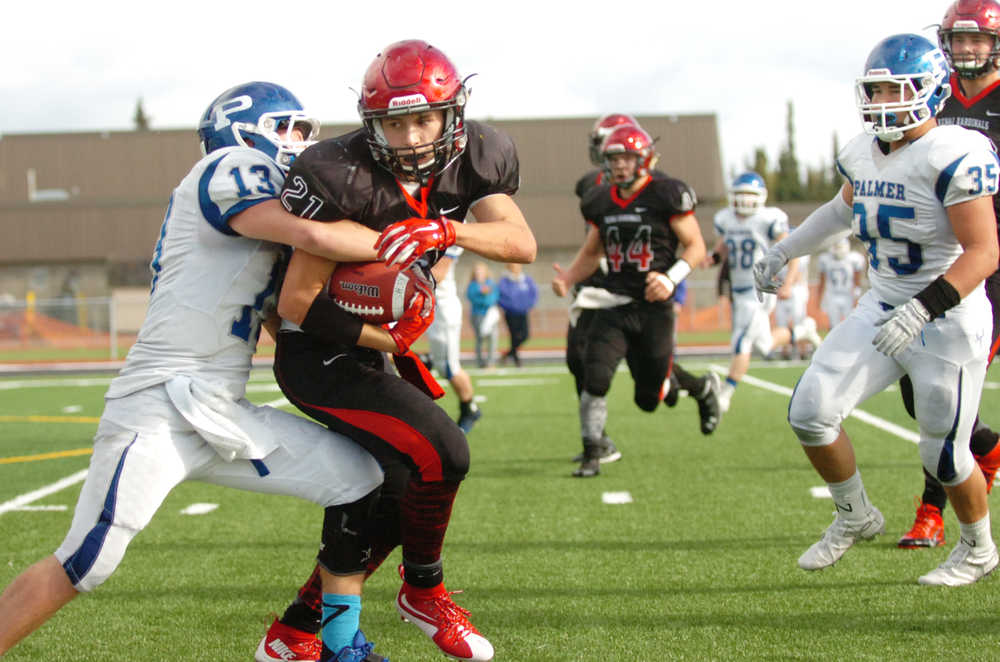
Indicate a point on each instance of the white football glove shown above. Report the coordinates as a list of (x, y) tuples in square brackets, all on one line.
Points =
[(899, 327), (765, 272)]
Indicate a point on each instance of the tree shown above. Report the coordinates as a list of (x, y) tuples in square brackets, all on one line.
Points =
[(140, 119), (788, 185)]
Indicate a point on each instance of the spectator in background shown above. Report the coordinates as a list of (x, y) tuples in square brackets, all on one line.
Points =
[(518, 295), (484, 315)]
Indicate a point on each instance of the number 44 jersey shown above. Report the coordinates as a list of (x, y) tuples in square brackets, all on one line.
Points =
[(211, 286), (636, 231), (901, 200)]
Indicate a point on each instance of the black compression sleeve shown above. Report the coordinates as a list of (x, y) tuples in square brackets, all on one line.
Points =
[(938, 297), (331, 322)]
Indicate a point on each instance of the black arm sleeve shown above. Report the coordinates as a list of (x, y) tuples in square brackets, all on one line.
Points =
[(329, 321)]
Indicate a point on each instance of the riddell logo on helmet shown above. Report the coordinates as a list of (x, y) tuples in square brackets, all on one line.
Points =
[(408, 101)]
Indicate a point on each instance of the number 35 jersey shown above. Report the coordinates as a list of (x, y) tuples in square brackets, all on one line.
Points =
[(211, 286), (901, 200), (636, 232)]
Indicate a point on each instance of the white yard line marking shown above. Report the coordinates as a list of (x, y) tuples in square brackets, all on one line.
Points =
[(616, 498), (516, 381), (199, 509), (23, 500), (41, 508)]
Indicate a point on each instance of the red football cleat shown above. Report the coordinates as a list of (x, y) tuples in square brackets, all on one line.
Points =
[(447, 624), (927, 529), (989, 464), (287, 644)]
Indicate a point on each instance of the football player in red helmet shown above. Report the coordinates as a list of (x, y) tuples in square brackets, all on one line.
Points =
[(413, 172), (969, 35), (646, 229), (580, 312), (602, 129)]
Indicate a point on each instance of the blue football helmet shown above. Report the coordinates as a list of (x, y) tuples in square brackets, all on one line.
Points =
[(920, 72), (252, 115), (748, 193)]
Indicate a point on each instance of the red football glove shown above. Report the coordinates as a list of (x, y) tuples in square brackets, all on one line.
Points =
[(403, 242), (415, 320)]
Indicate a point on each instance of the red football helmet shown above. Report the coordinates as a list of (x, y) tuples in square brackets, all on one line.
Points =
[(411, 77), (971, 16), (602, 129), (630, 140)]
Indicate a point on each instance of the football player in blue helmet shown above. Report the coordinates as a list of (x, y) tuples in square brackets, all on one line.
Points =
[(920, 197), (264, 116), (748, 193), (915, 70)]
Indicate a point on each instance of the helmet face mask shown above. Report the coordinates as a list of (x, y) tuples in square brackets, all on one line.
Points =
[(747, 194), (632, 140), (262, 116), (971, 17), (408, 78), (917, 71)]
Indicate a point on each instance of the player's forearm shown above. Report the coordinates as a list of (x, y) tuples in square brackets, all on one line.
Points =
[(340, 241), (972, 267), (500, 240), (375, 337)]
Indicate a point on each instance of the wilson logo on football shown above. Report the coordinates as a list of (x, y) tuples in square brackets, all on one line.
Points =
[(361, 289)]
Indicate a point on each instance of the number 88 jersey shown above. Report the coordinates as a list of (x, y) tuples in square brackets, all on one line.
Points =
[(636, 231), (747, 239), (901, 200)]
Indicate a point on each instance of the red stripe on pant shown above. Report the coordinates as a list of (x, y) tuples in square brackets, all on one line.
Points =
[(397, 434)]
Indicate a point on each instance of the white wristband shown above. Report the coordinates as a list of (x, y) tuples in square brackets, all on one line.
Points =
[(666, 282), (678, 271)]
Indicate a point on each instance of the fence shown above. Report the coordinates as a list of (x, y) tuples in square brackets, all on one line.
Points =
[(105, 327)]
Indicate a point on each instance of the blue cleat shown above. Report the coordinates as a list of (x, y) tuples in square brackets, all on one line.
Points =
[(361, 650)]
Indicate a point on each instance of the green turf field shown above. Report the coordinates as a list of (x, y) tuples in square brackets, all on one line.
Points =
[(700, 565)]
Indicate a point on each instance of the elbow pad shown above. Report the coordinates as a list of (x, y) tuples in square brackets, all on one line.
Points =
[(828, 223)]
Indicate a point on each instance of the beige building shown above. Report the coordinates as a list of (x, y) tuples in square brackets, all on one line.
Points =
[(80, 212)]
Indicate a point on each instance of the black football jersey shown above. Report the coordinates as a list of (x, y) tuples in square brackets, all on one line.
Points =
[(981, 113), (338, 178), (636, 232)]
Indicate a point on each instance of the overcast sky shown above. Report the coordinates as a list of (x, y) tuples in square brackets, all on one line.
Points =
[(78, 66)]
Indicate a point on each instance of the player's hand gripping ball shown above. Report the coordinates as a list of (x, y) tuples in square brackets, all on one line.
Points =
[(374, 291)]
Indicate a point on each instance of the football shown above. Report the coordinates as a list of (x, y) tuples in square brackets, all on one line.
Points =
[(372, 290)]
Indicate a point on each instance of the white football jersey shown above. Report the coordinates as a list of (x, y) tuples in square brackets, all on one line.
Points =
[(211, 286), (839, 273), (900, 202), (747, 239)]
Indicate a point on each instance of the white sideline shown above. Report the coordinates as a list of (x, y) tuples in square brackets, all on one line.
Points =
[(41, 493)]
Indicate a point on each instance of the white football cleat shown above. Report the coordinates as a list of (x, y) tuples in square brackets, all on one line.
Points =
[(839, 537), (964, 565), (726, 392)]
